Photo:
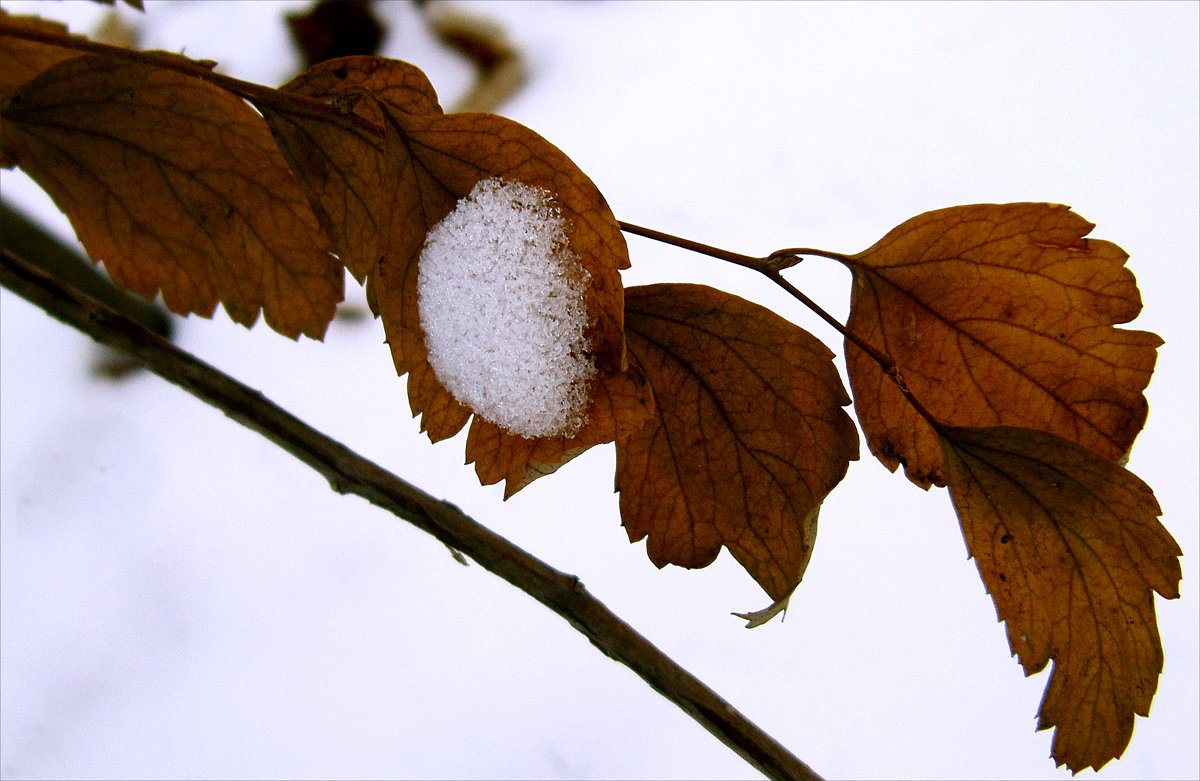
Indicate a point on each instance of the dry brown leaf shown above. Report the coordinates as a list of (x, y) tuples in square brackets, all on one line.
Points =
[(436, 160), (452, 153), (387, 197), (1070, 547), (402, 86), (997, 315), (749, 434), (621, 405), (339, 158), (21, 61), (176, 186)]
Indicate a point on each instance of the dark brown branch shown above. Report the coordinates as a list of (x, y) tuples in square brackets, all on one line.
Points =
[(27, 239), (349, 473)]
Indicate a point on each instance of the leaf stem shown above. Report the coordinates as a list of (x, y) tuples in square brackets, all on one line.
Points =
[(845, 260), (837, 325), (772, 267), (695, 246)]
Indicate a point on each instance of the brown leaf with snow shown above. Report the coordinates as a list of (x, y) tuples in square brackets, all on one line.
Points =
[(621, 404), (748, 437), (1069, 545), (996, 315), (379, 194), (437, 161)]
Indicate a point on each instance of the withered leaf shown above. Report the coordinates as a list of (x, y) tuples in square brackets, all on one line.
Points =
[(1069, 545), (997, 315), (399, 84), (621, 404), (338, 154), (748, 436), (379, 200), (21, 60), (434, 160), (176, 186)]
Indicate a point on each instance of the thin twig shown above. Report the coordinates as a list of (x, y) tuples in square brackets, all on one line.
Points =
[(746, 261), (350, 473), (771, 267)]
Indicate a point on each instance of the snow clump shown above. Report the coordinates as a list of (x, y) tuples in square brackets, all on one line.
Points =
[(501, 300)]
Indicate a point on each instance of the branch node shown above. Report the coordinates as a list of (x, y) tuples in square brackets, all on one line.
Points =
[(780, 260)]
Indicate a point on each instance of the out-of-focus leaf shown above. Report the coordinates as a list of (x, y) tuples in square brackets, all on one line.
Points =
[(335, 28), (500, 71)]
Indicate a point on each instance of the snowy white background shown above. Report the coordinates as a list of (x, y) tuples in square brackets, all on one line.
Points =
[(180, 599)]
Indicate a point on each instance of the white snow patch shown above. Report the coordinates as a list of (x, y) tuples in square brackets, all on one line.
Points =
[(500, 296)]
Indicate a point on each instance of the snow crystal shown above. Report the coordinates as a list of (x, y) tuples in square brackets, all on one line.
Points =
[(500, 296)]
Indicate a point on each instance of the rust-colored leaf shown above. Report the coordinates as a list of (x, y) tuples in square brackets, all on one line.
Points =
[(21, 60), (450, 154), (997, 315), (748, 437), (1070, 547), (435, 161), (380, 193), (399, 84), (177, 187), (338, 154), (621, 404)]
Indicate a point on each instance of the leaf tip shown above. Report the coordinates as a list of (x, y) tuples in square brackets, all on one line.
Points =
[(758, 618)]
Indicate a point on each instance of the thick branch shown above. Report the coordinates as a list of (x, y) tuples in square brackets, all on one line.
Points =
[(349, 473)]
